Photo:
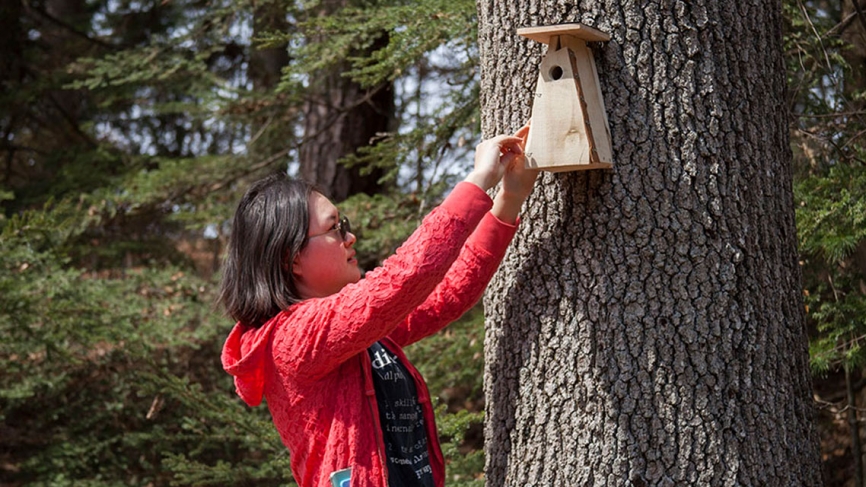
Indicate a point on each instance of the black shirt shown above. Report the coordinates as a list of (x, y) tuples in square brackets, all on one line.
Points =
[(402, 421)]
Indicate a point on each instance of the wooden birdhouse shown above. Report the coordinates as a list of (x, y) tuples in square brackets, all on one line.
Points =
[(569, 130)]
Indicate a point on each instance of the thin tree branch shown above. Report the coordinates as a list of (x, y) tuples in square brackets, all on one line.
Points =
[(838, 396), (54, 20), (817, 35), (859, 9), (831, 115), (72, 122)]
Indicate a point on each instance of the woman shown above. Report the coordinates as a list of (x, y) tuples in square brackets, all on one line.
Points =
[(324, 346)]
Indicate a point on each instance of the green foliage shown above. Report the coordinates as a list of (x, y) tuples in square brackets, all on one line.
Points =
[(414, 29), (830, 180), (841, 322), (832, 213), (381, 223), (465, 464), (130, 360), (103, 375)]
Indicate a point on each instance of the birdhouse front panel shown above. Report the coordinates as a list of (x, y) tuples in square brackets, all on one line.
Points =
[(558, 138)]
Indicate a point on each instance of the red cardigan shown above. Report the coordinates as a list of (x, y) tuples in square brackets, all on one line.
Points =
[(310, 362)]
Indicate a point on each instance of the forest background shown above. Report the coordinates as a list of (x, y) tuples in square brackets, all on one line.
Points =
[(131, 128)]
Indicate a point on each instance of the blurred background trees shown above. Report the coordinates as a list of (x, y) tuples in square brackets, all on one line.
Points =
[(130, 129), (826, 53)]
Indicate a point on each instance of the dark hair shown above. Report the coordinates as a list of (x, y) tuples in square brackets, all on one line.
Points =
[(268, 230)]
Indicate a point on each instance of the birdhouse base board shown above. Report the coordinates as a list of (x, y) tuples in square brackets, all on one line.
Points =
[(570, 167)]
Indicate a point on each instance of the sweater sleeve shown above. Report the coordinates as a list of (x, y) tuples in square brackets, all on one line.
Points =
[(317, 335), (464, 284)]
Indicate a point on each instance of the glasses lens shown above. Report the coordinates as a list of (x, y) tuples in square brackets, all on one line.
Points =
[(345, 227)]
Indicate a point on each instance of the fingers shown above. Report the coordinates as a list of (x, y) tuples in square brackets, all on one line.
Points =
[(500, 150), (492, 150), (523, 132), (507, 143), (510, 159), (502, 158)]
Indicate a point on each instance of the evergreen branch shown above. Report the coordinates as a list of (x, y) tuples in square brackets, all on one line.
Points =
[(832, 115), (73, 124), (815, 32), (54, 20), (337, 113), (249, 170), (842, 26)]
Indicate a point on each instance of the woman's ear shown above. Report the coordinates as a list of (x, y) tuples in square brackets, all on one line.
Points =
[(298, 276), (288, 266), (296, 266)]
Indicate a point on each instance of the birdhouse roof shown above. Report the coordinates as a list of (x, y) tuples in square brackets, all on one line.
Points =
[(545, 32)]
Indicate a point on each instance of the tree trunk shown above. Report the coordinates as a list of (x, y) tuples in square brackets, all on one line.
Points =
[(853, 17), (266, 64), (38, 39), (11, 44), (646, 327), (340, 118), (67, 104), (854, 427)]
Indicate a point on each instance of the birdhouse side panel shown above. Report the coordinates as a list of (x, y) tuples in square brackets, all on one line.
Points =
[(594, 102)]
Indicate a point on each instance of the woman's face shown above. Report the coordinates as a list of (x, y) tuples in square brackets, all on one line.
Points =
[(327, 263)]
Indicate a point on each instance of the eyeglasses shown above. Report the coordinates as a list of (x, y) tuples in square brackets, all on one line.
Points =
[(342, 225)]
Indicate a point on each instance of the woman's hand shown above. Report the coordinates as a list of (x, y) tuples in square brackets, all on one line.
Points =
[(493, 157), (517, 183)]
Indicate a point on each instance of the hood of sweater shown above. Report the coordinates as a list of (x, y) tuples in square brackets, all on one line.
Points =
[(243, 357)]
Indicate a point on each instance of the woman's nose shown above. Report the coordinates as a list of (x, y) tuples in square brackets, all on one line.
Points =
[(350, 239)]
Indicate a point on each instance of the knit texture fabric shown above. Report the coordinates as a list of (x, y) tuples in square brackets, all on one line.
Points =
[(310, 363)]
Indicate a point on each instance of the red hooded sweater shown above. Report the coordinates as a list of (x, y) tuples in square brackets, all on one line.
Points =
[(310, 362)]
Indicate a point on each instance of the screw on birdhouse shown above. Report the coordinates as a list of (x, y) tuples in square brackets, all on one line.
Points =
[(569, 130)]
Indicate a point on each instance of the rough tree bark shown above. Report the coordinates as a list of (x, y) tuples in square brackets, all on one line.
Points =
[(646, 327)]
